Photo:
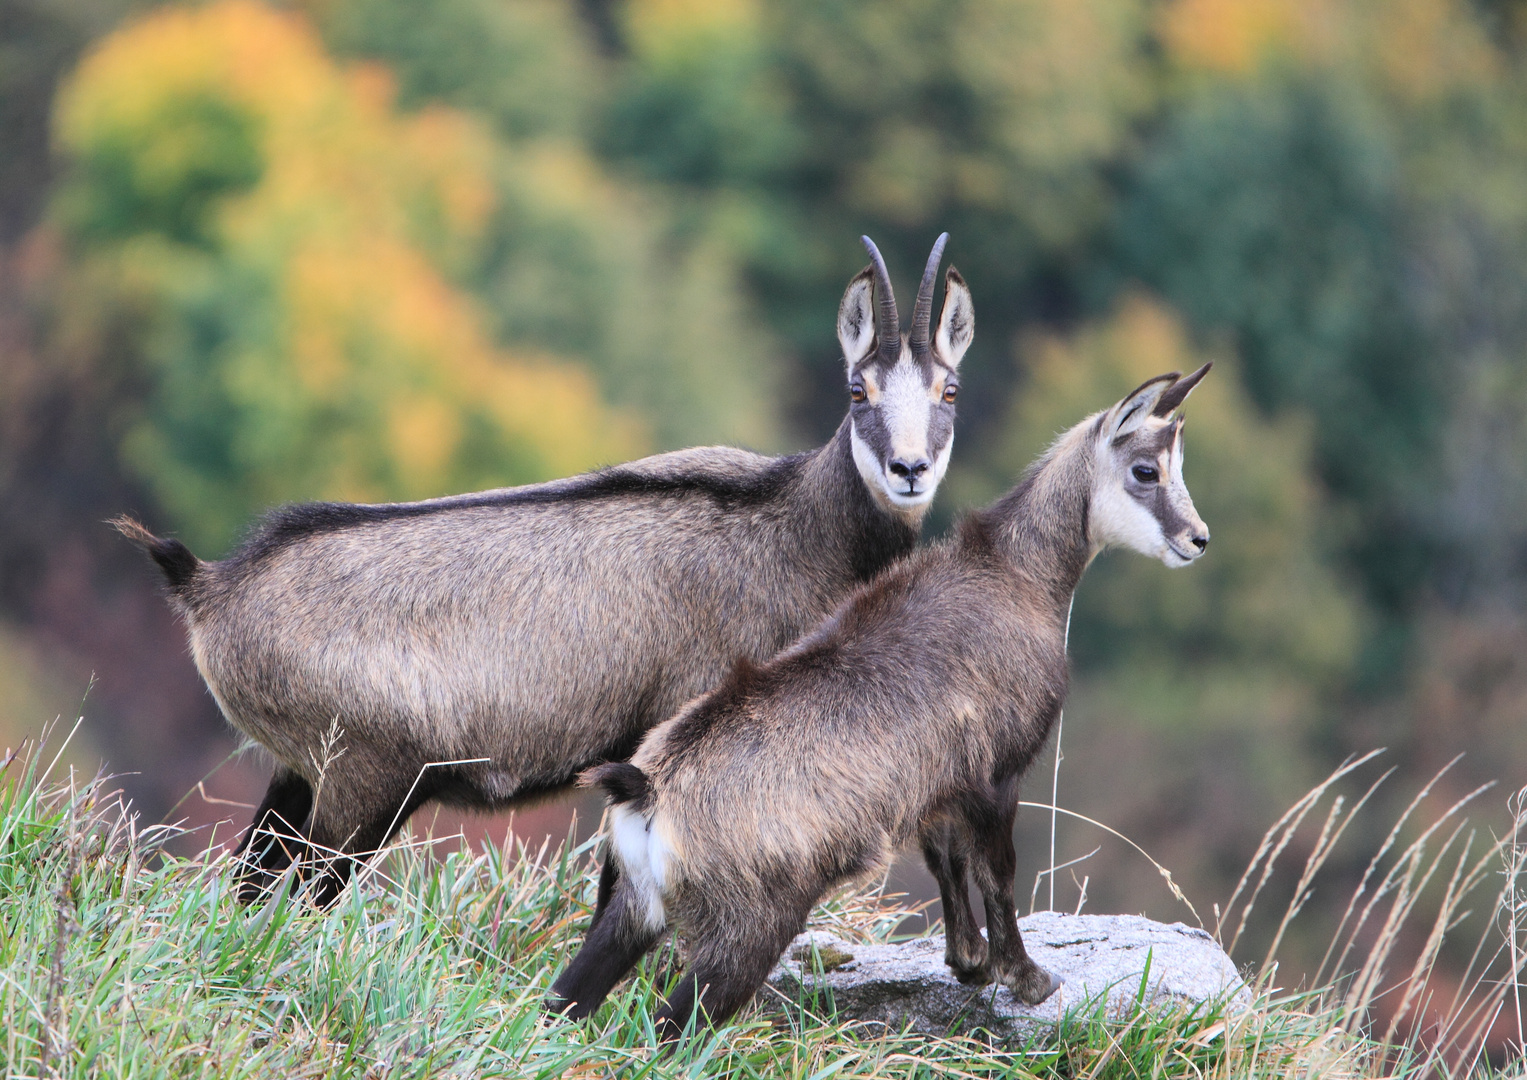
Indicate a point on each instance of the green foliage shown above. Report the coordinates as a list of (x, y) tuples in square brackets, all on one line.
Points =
[(282, 237), (578, 264), (572, 260), (1304, 270), (699, 104), (165, 176), (794, 126), (39, 41), (524, 64)]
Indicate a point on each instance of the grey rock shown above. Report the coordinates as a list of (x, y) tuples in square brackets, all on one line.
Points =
[(1099, 958)]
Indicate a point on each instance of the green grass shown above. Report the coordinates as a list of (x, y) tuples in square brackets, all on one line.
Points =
[(118, 959)]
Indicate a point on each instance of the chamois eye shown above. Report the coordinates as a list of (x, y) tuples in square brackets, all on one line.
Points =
[(950, 392), (856, 392), (1145, 474)]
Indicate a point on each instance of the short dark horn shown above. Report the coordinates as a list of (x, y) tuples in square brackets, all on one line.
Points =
[(922, 314), (1178, 392), (887, 322)]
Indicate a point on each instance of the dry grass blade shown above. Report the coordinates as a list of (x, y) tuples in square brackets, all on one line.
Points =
[(1460, 883), (1166, 874), (1330, 832), (1401, 879), (1373, 864), (1274, 840)]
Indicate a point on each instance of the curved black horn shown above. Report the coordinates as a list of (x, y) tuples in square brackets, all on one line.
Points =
[(922, 313), (887, 322)]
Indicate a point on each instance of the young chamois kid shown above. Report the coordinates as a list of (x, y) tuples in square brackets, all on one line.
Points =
[(909, 714), (480, 650)]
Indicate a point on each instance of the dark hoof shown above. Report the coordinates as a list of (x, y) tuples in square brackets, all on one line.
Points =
[(971, 967), (1033, 986), (976, 975), (255, 887)]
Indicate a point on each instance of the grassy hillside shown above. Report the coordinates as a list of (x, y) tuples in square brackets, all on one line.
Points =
[(119, 960)]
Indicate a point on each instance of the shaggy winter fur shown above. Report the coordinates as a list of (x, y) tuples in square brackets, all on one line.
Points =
[(908, 715)]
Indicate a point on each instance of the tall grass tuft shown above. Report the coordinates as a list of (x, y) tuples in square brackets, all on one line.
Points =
[(119, 959)]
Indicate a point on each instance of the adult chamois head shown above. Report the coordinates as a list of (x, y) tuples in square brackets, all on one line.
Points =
[(907, 716), (481, 649), (902, 388)]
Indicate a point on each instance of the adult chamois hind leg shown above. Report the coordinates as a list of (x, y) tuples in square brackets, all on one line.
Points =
[(275, 837), (346, 832)]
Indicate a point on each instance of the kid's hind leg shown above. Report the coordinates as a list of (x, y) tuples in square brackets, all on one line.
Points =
[(620, 937), (609, 877), (725, 972), (274, 838)]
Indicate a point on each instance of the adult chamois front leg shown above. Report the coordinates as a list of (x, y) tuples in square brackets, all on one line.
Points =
[(990, 815), (945, 846)]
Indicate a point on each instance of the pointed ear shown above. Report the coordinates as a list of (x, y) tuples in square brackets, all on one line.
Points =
[(1129, 414), (856, 319), (1179, 391), (957, 325)]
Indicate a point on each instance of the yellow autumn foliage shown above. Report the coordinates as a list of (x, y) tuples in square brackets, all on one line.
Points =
[(332, 357), (1414, 48)]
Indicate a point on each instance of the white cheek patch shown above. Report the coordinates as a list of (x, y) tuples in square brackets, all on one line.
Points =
[(869, 465), (941, 465), (644, 857), (1118, 520), (881, 485)]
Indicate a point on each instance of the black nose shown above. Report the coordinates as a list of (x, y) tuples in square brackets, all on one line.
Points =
[(909, 470), (1200, 542)]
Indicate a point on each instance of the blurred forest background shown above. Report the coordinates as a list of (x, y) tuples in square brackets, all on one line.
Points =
[(380, 249)]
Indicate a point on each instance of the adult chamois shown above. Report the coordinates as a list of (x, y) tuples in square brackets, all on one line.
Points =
[(910, 713), (520, 635)]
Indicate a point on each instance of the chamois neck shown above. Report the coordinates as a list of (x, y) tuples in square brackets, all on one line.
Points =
[(1041, 526), (841, 507)]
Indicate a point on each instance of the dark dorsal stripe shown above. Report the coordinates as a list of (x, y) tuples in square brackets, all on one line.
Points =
[(289, 524)]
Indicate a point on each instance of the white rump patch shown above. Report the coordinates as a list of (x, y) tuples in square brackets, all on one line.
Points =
[(644, 858)]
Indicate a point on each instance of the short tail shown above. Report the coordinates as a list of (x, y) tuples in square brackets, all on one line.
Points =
[(174, 558), (622, 782)]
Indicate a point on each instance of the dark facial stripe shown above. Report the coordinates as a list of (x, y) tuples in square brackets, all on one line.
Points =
[(869, 420)]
